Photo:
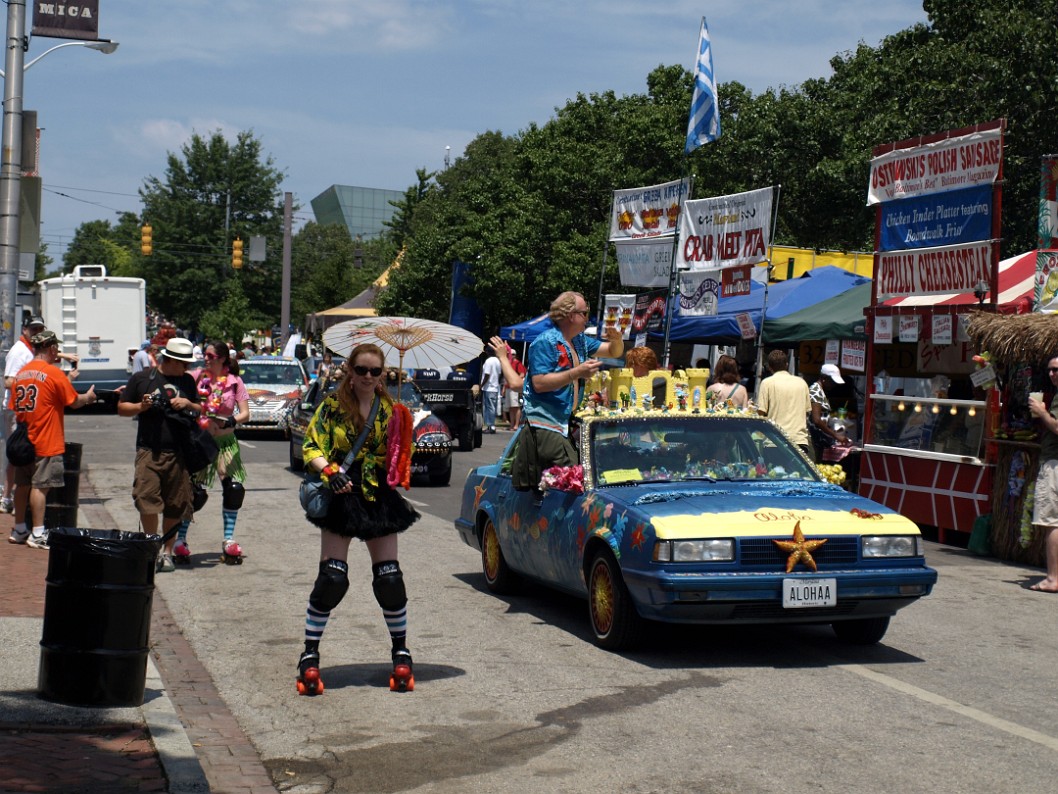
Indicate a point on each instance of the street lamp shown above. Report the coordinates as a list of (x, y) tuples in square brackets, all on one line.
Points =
[(105, 46), (11, 160)]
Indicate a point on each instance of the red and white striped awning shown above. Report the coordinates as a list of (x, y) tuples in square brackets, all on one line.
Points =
[(1017, 279)]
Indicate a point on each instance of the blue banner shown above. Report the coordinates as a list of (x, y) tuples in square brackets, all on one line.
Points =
[(958, 216)]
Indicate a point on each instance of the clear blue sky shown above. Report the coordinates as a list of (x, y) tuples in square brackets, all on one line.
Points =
[(363, 92)]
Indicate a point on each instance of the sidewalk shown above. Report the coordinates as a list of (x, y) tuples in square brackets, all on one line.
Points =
[(182, 739)]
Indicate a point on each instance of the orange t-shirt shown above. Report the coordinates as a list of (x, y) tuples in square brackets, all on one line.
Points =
[(40, 394)]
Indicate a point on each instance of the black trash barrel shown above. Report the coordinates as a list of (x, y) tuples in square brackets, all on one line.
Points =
[(97, 616), (61, 507)]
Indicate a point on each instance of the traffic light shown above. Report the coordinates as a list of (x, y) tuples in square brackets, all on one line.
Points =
[(145, 239), (236, 253)]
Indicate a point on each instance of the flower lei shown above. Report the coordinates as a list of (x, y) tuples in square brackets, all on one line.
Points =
[(210, 391)]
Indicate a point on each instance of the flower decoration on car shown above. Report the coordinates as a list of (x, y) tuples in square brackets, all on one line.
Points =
[(563, 478)]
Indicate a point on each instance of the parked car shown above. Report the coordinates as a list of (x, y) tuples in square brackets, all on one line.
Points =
[(275, 385), (696, 518), (432, 458)]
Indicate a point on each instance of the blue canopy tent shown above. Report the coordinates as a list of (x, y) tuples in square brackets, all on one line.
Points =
[(527, 330), (784, 298)]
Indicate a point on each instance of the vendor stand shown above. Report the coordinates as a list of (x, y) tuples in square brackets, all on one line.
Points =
[(936, 260), (1017, 349)]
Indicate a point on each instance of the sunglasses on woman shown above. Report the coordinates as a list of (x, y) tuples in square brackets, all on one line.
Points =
[(211, 356), (363, 371)]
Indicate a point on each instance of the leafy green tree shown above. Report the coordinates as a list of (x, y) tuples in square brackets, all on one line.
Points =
[(234, 317), (212, 192), (400, 224)]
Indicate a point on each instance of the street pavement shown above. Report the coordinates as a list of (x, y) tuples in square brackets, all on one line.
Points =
[(510, 692)]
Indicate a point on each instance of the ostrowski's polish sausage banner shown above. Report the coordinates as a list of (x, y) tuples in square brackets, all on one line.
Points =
[(725, 231), (647, 211), (949, 164), (933, 271)]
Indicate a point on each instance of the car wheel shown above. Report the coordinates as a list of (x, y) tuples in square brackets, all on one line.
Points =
[(297, 462), (466, 438), (867, 631), (614, 619), (499, 578), (443, 477)]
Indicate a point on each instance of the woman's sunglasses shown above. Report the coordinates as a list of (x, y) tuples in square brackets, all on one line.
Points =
[(211, 356), (362, 371)]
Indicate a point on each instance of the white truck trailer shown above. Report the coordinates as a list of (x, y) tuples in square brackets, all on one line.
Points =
[(101, 318)]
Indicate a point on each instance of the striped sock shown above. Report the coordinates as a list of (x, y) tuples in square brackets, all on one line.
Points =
[(397, 623), (315, 623), (229, 523), (181, 531)]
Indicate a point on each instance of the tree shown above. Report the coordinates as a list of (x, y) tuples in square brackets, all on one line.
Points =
[(213, 192), (100, 243), (234, 317)]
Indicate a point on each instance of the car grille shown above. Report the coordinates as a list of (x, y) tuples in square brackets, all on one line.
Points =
[(761, 554)]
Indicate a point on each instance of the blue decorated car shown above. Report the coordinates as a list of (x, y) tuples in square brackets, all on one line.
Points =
[(709, 517)]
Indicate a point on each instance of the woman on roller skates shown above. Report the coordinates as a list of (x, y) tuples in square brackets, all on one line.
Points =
[(227, 403), (361, 417)]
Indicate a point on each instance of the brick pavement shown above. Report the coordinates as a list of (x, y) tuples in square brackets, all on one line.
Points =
[(120, 758)]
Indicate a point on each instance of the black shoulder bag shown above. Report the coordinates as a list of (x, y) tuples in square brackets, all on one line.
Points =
[(314, 495), (20, 450)]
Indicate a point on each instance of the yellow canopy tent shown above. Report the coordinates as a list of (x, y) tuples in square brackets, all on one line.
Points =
[(361, 305)]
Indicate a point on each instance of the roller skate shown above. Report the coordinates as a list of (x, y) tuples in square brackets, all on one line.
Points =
[(181, 553), (309, 681), (231, 553), (401, 679)]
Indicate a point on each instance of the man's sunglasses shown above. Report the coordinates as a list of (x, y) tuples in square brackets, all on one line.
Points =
[(1052, 370), (362, 371)]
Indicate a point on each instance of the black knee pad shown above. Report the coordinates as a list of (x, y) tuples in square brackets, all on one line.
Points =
[(331, 585), (234, 493), (388, 585), (199, 496)]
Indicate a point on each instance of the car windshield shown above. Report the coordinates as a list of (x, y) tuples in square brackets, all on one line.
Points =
[(682, 448), (409, 395), (277, 374)]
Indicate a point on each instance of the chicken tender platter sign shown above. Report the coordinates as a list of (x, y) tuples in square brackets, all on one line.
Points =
[(948, 164), (725, 231)]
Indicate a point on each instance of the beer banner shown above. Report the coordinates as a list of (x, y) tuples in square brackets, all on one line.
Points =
[(617, 313), (933, 271), (647, 211), (650, 311), (958, 216), (949, 164), (699, 293), (70, 20), (644, 263), (724, 231)]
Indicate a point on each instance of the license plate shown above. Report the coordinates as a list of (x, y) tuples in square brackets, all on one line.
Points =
[(799, 593)]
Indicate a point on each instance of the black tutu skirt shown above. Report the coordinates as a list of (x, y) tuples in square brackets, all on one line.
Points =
[(352, 516)]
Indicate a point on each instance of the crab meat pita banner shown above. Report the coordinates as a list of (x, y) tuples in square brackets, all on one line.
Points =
[(725, 231)]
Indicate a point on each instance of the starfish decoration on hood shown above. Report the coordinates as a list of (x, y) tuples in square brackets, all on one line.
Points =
[(799, 549)]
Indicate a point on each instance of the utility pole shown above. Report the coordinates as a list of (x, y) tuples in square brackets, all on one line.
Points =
[(284, 311), (11, 173)]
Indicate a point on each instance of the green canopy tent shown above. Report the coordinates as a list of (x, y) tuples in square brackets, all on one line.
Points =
[(840, 317)]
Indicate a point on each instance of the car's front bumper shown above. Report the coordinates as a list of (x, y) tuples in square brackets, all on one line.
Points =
[(743, 597)]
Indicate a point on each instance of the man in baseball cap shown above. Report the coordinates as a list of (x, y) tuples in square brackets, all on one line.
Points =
[(20, 354)]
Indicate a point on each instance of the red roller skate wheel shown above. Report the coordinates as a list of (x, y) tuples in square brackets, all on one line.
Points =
[(402, 680), (310, 682)]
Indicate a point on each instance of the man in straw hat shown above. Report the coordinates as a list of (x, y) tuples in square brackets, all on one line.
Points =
[(162, 484)]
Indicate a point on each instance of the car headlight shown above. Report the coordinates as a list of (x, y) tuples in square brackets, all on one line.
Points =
[(718, 550), (882, 546), (432, 440)]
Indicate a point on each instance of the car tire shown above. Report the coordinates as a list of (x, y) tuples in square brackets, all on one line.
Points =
[(442, 477), (297, 462), (466, 438), (866, 631), (499, 578), (614, 620)]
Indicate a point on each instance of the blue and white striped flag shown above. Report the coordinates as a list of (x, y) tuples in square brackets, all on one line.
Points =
[(703, 126)]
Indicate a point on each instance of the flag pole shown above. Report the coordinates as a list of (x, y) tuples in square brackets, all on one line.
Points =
[(671, 297), (767, 281), (602, 276)]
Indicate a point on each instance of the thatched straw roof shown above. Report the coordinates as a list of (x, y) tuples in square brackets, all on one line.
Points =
[(1014, 337)]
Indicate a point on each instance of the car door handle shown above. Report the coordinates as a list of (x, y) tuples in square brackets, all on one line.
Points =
[(504, 490)]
